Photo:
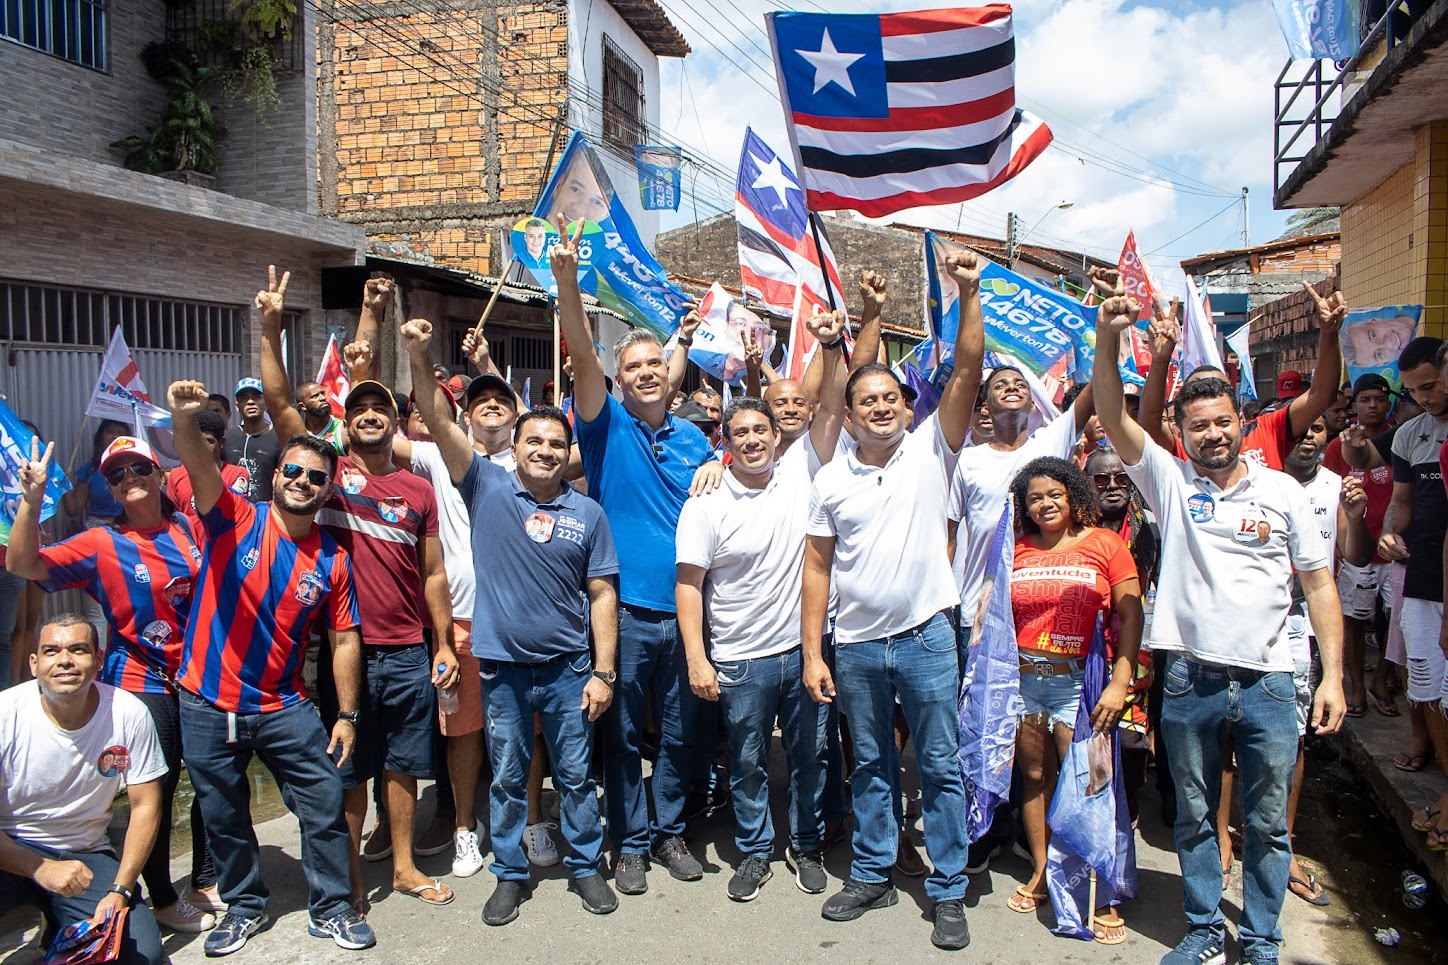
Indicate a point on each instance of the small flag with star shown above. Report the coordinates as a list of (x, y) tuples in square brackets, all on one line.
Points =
[(902, 110)]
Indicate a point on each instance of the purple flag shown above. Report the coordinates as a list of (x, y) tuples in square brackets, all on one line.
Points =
[(927, 396), (990, 695), (1090, 826)]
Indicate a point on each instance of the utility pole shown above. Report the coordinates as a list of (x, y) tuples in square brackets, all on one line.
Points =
[(1011, 240), (1246, 221)]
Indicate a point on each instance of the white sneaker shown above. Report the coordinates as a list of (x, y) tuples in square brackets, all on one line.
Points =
[(185, 917), (539, 844), (467, 858)]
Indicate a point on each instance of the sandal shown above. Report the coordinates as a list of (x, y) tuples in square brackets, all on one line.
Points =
[(1023, 901), (433, 885), (1357, 710), (1412, 763), (1386, 706), (1426, 823), (1101, 929), (1315, 895), (1438, 839)]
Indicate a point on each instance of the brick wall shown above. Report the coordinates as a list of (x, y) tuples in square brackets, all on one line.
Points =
[(1284, 336)]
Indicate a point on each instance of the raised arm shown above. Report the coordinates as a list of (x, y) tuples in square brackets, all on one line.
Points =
[(1304, 410), (451, 441), (1358, 450), (1115, 316), (829, 419), (376, 296), (679, 358), (186, 399), (276, 387), (1164, 333), (475, 347), (589, 390), (872, 307), (22, 556), (957, 400), (753, 362)]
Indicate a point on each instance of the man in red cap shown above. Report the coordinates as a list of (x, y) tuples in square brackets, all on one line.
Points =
[(1289, 384)]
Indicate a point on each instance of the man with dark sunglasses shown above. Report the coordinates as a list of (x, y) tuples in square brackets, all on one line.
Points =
[(267, 574)]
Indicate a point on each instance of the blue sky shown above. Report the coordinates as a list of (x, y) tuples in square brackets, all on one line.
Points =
[(1162, 113)]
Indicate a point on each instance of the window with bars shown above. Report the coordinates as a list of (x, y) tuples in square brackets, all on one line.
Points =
[(51, 315), (73, 30), (623, 97)]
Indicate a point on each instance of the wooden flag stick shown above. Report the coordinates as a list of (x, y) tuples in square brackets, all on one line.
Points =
[(75, 449), (557, 354), (483, 320)]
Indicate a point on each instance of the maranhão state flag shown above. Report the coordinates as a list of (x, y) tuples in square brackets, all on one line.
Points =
[(902, 110)]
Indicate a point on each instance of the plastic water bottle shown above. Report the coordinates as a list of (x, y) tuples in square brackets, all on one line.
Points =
[(1415, 891), (447, 698)]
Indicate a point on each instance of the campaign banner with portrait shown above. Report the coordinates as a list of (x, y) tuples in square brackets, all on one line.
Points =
[(1373, 338), (659, 176), (719, 341), (613, 264), (15, 442)]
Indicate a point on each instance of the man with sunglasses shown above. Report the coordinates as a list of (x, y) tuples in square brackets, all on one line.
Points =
[(267, 574)]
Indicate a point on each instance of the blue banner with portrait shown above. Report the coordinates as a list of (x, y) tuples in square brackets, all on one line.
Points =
[(659, 176), (1373, 338), (15, 441)]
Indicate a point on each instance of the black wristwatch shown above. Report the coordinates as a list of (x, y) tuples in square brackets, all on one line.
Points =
[(609, 677), (686, 342), (123, 891), (350, 716)]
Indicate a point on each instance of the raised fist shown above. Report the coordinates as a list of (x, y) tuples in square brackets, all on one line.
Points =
[(187, 398), (417, 333), (872, 291), (964, 267), (377, 295)]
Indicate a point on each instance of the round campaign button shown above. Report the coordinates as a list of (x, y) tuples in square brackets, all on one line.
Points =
[(1202, 507)]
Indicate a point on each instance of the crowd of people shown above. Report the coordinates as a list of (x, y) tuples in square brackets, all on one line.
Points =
[(457, 586)]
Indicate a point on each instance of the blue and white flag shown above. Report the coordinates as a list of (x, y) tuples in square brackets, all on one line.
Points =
[(1319, 29), (15, 440), (927, 396), (659, 177), (1240, 342), (990, 694)]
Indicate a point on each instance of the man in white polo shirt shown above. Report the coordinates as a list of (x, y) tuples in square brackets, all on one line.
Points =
[(1232, 532), (740, 549), (877, 519)]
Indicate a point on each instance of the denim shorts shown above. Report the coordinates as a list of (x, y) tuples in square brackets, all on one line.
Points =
[(1057, 697), (399, 715)]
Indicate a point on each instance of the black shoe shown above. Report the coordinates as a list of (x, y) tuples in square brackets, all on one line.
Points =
[(630, 875), (752, 874), (809, 870), (502, 907), (858, 897), (951, 931), (676, 857), (977, 858), (598, 897)]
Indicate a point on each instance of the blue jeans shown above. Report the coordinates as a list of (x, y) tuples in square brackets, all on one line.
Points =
[(650, 658), (142, 943), (833, 806), (752, 693), (293, 746), (920, 666), (511, 693), (1203, 706)]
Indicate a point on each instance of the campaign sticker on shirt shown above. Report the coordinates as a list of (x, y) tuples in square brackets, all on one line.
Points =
[(157, 634), (393, 508), (1202, 507), (178, 592), (240, 485), (1253, 531), (353, 482), (1381, 474), (249, 560), (571, 529), (195, 555), (143, 575), (539, 527), (114, 760), (309, 589)]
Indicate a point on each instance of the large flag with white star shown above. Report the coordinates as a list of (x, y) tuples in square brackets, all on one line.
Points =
[(777, 250), (902, 110)]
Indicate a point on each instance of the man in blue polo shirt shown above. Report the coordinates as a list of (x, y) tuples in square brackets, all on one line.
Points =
[(639, 461), (538, 546)]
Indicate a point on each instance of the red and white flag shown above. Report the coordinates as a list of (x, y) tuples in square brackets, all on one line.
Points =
[(120, 394), (332, 376)]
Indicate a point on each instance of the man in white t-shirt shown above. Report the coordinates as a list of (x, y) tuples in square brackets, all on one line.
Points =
[(739, 549), (1232, 533), (876, 520), (67, 746)]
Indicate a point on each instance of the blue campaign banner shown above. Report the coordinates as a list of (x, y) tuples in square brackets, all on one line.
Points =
[(614, 266), (1318, 29), (1373, 338), (659, 177), (15, 441)]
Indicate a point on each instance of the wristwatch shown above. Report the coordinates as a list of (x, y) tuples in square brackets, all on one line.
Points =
[(609, 677), (350, 716), (123, 891)]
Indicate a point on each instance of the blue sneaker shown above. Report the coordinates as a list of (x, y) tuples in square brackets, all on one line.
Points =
[(231, 933), (1202, 946), (346, 928)]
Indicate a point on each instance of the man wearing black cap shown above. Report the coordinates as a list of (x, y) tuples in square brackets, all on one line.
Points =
[(700, 418)]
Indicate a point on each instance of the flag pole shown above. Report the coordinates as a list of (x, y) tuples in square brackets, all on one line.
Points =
[(1091, 904), (814, 228), (75, 449), (483, 320), (557, 355)]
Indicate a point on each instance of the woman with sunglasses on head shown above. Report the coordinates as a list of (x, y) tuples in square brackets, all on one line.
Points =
[(140, 569), (1067, 573)]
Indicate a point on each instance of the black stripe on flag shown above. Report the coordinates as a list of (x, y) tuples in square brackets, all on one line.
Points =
[(755, 241), (937, 70), (904, 161)]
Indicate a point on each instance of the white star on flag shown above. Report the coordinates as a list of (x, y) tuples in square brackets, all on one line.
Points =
[(831, 66), (771, 175)]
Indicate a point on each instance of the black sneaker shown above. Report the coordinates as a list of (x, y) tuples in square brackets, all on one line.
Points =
[(858, 897), (231, 933), (951, 931), (502, 907), (630, 875), (977, 858), (752, 874), (676, 857), (598, 897), (809, 870)]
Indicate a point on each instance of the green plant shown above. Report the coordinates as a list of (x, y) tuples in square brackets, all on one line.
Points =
[(188, 137), (253, 81), (265, 18), (216, 36)]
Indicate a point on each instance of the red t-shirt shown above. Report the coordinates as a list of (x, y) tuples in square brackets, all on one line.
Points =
[(379, 521), (1265, 441), (178, 487), (1377, 484), (1056, 595)]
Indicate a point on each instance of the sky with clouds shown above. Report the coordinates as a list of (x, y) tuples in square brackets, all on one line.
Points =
[(1162, 112)]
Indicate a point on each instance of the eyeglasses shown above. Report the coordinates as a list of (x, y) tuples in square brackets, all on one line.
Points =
[(141, 469), (314, 476), (1110, 480)]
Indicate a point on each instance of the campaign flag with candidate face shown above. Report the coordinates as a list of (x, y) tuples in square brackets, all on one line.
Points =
[(1373, 338), (15, 440), (902, 110), (659, 176), (719, 341)]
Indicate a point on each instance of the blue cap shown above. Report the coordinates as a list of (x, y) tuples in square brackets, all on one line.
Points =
[(244, 384)]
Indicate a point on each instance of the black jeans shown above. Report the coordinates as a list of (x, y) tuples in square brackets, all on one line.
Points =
[(156, 873)]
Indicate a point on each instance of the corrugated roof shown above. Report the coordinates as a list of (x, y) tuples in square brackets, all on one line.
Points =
[(1266, 248)]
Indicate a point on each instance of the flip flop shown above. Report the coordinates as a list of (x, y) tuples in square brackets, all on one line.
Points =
[(1099, 926), (1316, 896), (434, 885), (1412, 763), (1426, 825), (1438, 840), (1021, 897), (1386, 706), (1357, 710)]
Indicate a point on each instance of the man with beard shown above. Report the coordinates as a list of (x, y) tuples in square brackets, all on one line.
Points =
[(252, 445), (1221, 612), (539, 549), (875, 522), (317, 418), (267, 575), (386, 519)]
